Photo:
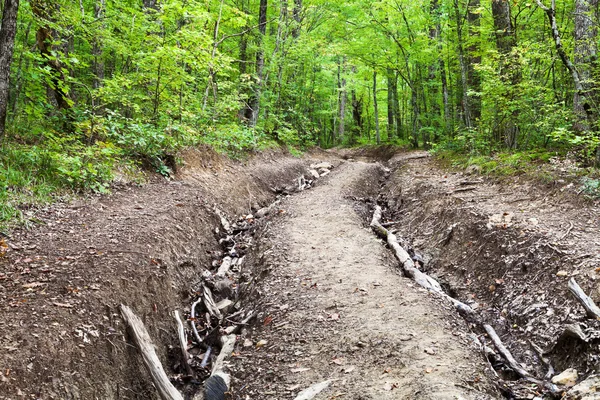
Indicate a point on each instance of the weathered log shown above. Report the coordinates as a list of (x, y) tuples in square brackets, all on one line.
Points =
[(142, 339), (408, 265), (182, 343), (591, 308), (514, 365)]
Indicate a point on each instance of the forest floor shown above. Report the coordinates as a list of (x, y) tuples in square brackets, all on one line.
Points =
[(332, 304)]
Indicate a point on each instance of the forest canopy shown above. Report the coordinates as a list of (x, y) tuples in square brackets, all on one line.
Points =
[(87, 84)]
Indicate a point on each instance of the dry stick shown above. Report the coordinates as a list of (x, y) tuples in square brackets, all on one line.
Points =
[(193, 321), (591, 308), (514, 365), (183, 343), (144, 343), (408, 265), (313, 391)]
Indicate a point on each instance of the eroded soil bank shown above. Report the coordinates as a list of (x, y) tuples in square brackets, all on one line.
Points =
[(329, 302), (61, 283)]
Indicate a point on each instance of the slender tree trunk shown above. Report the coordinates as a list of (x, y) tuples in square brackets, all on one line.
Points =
[(586, 54), (260, 62), (434, 68), (8, 30), (97, 47), (464, 72), (343, 98), (390, 104), (297, 18), (506, 41), (375, 110), (397, 113), (474, 49)]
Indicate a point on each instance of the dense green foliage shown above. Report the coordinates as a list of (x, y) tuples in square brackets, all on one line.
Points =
[(96, 83)]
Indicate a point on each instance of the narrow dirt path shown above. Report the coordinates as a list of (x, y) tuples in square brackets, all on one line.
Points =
[(338, 309)]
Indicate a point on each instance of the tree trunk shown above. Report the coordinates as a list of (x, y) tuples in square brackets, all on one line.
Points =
[(8, 30), (297, 18), (464, 73), (377, 134), (586, 53), (474, 77), (260, 62), (390, 104), (342, 99), (397, 114), (509, 72), (434, 68), (45, 38), (97, 47)]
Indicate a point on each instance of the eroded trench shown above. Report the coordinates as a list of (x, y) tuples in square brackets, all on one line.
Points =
[(507, 276), (511, 277)]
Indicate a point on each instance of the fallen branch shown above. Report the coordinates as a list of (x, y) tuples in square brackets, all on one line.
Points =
[(514, 365), (193, 321), (142, 339), (183, 344), (312, 391), (408, 265), (591, 308), (210, 304)]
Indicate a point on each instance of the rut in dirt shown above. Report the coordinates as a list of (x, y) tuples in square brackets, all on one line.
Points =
[(335, 308)]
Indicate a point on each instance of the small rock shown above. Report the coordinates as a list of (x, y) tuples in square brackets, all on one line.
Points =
[(567, 378), (562, 274), (589, 389), (248, 343), (261, 343), (314, 173), (325, 165)]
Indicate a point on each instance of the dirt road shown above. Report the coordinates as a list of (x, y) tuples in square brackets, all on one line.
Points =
[(338, 310)]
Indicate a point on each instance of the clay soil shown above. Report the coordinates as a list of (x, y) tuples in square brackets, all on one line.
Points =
[(331, 303)]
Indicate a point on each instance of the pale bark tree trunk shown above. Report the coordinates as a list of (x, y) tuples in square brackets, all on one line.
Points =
[(506, 41), (343, 97), (97, 47), (260, 62), (8, 30), (375, 110), (586, 53)]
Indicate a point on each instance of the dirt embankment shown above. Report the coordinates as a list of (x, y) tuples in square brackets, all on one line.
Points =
[(507, 248), (60, 283)]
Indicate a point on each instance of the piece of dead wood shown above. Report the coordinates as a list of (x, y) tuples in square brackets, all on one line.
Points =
[(142, 339), (233, 329), (193, 321), (183, 343), (225, 266), (465, 189), (591, 308), (514, 365), (408, 265), (210, 304), (263, 212), (546, 361), (313, 391)]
